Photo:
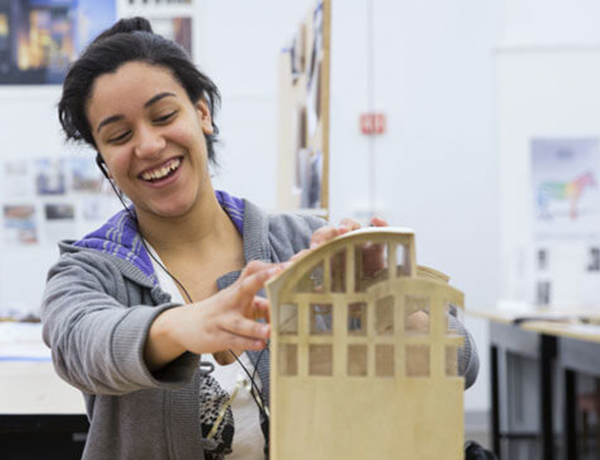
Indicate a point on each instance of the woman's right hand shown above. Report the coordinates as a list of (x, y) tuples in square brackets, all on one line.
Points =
[(226, 320)]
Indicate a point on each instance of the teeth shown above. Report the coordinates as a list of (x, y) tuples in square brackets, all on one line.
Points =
[(159, 173)]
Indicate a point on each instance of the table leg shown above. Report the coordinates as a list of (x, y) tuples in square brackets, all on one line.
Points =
[(495, 412), (547, 357), (570, 411)]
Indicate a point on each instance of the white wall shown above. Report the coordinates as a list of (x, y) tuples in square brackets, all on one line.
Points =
[(551, 22)]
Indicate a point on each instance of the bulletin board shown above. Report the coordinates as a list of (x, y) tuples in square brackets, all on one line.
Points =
[(548, 112), (304, 103)]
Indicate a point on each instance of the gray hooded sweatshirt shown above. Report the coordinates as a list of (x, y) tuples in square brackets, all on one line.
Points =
[(101, 298)]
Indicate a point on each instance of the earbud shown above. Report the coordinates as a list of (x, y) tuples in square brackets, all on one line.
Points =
[(104, 169), (102, 165)]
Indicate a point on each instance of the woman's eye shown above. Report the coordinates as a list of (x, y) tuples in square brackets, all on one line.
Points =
[(165, 118), (120, 138)]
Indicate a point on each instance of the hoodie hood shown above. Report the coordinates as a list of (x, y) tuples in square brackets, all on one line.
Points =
[(119, 236)]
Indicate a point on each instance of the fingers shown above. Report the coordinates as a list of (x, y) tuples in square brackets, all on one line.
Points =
[(236, 342), (255, 266), (322, 235), (325, 234), (237, 327), (249, 285), (258, 266), (299, 255), (351, 224), (378, 222), (247, 329), (262, 309), (256, 274), (240, 330)]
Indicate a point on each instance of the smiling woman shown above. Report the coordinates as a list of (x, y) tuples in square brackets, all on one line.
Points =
[(130, 309)]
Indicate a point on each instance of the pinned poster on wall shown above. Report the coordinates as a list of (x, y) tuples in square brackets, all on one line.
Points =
[(566, 221), (20, 226), (39, 38), (566, 195)]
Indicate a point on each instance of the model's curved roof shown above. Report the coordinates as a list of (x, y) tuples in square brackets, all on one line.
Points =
[(397, 235)]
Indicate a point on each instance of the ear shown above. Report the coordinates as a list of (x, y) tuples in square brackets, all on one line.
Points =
[(204, 116)]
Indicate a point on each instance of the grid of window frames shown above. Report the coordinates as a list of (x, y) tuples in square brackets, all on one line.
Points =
[(382, 334)]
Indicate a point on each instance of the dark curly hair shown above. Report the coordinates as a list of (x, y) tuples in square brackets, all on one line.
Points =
[(129, 40)]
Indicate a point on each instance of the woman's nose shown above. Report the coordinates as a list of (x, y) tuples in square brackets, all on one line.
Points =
[(149, 143)]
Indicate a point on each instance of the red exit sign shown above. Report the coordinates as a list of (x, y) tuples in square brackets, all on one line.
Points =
[(372, 123)]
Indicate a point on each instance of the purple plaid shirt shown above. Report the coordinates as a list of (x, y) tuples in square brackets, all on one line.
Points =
[(119, 235)]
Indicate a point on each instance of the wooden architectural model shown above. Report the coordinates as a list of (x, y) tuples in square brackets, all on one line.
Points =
[(354, 376)]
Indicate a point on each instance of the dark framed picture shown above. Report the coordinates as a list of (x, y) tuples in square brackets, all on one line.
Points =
[(39, 38)]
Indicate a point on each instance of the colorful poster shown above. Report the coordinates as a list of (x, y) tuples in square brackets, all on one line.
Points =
[(566, 196), (39, 38), (20, 226), (566, 221)]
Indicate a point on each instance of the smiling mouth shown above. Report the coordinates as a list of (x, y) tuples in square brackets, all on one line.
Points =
[(162, 172)]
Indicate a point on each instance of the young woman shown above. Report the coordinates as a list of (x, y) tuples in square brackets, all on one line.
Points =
[(130, 309)]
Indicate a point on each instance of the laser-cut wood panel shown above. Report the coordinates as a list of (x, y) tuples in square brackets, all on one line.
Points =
[(357, 372)]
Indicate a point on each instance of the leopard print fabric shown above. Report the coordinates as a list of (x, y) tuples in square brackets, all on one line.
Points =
[(212, 399)]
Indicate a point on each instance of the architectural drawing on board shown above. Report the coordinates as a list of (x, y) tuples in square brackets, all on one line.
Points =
[(351, 377)]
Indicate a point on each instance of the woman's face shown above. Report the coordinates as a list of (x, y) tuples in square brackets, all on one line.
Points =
[(151, 137)]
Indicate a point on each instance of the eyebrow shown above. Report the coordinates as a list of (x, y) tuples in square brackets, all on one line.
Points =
[(157, 98), (148, 103)]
